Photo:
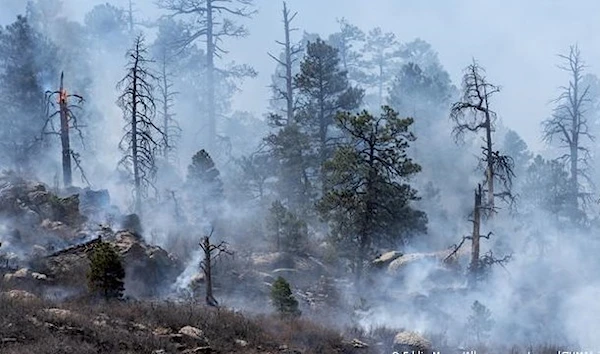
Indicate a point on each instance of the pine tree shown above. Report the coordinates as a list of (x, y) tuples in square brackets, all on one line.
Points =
[(204, 185), (480, 321), (323, 91), (369, 203), (289, 149), (27, 60), (286, 230), (106, 273), (283, 300)]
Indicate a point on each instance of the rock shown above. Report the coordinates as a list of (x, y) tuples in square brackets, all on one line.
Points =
[(39, 276), (38, 251), (162, 331), (147, 267), (159, 351), (21, 295), (67, 210), (61, 314), (411, 341), (198, 350), (358, 344), (132, 223), (93, 202), (24, 274), (241, 342), (386, 258), (192, 332), (139, 327), (39, 197)]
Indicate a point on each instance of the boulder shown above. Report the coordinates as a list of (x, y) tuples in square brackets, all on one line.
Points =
[(148, 268), (406, 341), (20, 295), (93, 202), (242, 343), (132, 223), (22, 275), (386, 258), (192, 332), (60, 314)]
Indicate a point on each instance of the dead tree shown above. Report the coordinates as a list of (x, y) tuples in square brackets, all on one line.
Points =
[(477, 264), (142, 136), (474, 114), (209, 21), (289, 57), (569, 125), (68, 122), (130, 16), (211, 253), (170, 127)]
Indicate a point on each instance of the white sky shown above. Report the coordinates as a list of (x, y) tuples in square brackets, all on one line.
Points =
[(515, 40)]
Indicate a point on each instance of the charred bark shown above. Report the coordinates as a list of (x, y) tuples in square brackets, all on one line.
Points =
[(211, 253)]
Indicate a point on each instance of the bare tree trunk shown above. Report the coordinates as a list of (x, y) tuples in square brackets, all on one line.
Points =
[(288, 66), (210, 300), (211, 253), (490, 162), (380, 85), (475, 237), (130, 13), (64, 134), (165, 109), (134, 138), (210, 79)]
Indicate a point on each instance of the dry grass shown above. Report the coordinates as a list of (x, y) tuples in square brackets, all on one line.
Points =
[(128, 327)]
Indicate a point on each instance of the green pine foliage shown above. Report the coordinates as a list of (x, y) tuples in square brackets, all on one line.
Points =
[(283, 300), (106, 273), (204, 175), (480, 321), (286, 231), (369, 203)]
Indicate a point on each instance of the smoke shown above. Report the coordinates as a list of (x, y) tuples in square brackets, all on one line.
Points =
[(547, 292)]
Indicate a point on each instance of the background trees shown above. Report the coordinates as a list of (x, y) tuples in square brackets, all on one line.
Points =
[(289, 57), (570, 128), (26, 61), (324, 90), (204, 187), (212, 20)]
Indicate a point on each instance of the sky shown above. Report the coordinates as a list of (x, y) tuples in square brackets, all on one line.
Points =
[(516, 41)]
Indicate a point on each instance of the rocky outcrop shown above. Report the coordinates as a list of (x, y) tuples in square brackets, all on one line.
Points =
[(147, 267), (20, 295), (406, 341)]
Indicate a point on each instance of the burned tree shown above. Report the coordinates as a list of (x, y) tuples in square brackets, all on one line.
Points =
[(68, 122), (212, 252), (474, 114), (142, 136), (170, 127), (569, 125), (289, 57), (477, 264), (208, 20)]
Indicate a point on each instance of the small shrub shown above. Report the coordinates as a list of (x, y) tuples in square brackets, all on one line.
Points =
[(284, 301), (106, 272), (480, 321)]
